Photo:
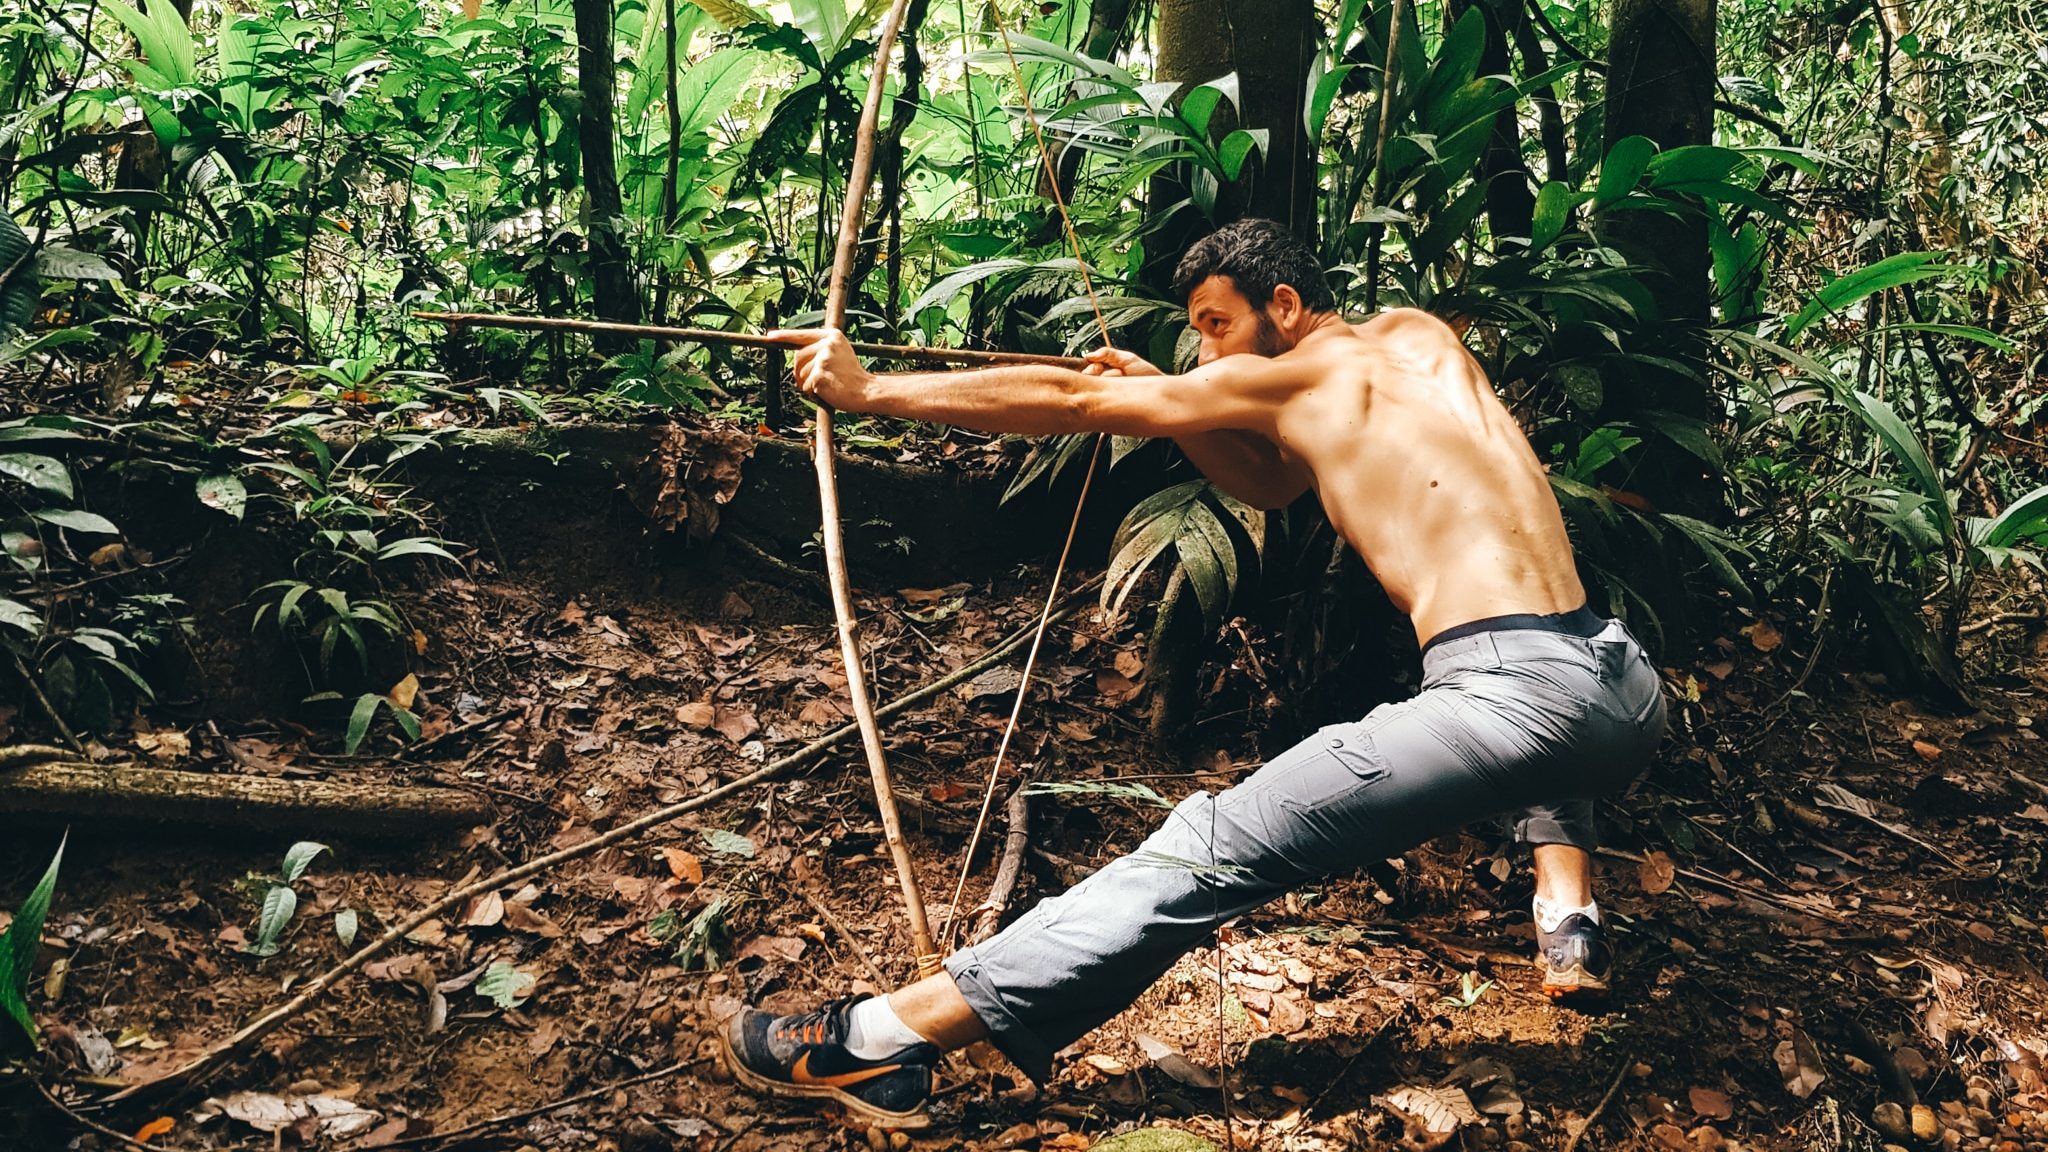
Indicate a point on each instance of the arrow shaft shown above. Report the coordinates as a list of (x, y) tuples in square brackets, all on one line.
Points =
[(912, 353)]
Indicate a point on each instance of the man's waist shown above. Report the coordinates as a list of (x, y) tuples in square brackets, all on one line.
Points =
[(1581, 622)]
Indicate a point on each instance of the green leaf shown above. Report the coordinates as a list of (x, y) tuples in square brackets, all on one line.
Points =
[(1892, 271), (223, 492), (62, 262), (359, 719), (39, 472), (732, 13), (1237, 147), (15, 614), (504, 985), (1622, 168), (1984, 336), (164, 41), (1553, 211), (1714, 545), (18, 945), (280, 904), (1906, 448), (2025, 520), (76, 520), (298, 857), (708, 89), (345, 927), (728, 843), (414, 546), (20, 291)]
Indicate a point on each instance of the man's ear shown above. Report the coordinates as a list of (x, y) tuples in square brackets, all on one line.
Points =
[(1286, 303)]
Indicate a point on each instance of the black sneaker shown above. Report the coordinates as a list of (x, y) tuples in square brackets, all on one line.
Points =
[(805, 1055), (1575, 960)]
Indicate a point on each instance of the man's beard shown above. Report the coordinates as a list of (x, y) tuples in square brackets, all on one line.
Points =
[(1266, 340)]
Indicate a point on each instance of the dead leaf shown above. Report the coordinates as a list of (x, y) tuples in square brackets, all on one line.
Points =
[(1709, 1104), (2035, 812), (1438, 1112), (735, 723), (1719, 669), (1075, 730), (788, 949), (523, 919), (486, 911), (1170, 1061), (1107, 1065), (719, 643), (1001, 680), (405, 691), (164, 744), (819, 712), (933, 595), (333, 1118), (1799, 1063), (571, 614), (1129, 664), (734, 607), (700, 715), (683, 865), (947, 792), (1926, 751), (1115, 687), (160, 1126), (1656, 873), (1764, 637)]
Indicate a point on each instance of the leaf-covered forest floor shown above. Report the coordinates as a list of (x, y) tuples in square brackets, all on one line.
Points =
[(1823, 894)]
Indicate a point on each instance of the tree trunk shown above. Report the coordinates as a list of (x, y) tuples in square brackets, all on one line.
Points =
[(614, 296), (101, 792), (1270, 46), (1660, 84), (1510, 201)]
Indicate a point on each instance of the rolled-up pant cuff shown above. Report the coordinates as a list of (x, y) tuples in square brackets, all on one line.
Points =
[(1011, 1036), (1570, 823)]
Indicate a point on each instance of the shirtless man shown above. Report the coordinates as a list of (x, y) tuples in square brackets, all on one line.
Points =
[(1531, 704)]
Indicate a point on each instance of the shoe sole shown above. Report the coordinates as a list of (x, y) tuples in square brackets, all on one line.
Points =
[(1573, 983), (854, 1104)]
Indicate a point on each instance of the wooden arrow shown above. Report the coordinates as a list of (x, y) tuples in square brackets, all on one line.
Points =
[(913, 353)]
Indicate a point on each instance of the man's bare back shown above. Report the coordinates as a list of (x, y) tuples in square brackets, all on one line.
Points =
[(1423, 470)]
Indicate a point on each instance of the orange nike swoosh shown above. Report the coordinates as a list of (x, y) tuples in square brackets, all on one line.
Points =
[(800, 1073)]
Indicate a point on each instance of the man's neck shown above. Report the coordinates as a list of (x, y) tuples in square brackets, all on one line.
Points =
[(1320, 326)]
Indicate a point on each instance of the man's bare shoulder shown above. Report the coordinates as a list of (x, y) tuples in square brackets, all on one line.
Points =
[(1407, 325)]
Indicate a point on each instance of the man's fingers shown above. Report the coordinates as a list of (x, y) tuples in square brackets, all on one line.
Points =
[(808, 336)]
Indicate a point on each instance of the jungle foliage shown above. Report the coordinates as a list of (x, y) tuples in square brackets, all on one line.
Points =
[(199, 194)]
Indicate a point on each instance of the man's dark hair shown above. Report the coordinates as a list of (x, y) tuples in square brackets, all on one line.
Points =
[(1258, 256)]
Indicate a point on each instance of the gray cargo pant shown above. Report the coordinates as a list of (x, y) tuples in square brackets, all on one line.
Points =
[(1521, 723)]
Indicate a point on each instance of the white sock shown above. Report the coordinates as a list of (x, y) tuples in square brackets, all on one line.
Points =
[(1549, 915), (875, 1032)]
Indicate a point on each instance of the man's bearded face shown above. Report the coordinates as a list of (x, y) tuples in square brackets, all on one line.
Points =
[(1229, 325)]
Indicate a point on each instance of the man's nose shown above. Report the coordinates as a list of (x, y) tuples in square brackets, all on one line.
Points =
[(1207, 353)]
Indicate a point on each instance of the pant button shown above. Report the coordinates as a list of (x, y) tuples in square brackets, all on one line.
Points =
[(1336, 743)]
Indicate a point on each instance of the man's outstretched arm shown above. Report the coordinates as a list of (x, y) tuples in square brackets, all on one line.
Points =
[(1245, 465), (1040, 400)]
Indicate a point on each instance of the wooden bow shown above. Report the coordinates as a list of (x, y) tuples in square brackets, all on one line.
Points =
[(828, 500), (928, 956)]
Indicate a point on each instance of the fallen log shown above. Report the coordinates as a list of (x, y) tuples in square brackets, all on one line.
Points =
[(69, 790)]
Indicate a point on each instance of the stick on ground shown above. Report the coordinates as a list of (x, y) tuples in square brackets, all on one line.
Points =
[(989, 916)]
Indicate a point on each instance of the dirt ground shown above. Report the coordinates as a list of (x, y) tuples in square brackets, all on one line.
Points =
[(1827, 903)]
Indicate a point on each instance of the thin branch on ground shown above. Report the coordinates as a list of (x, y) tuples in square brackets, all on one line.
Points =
[(1627, 1061), (1713, 880), (88, 1122), (853, 942), (564, 1102), (989, 916)]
